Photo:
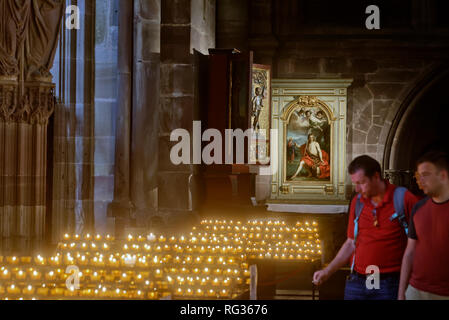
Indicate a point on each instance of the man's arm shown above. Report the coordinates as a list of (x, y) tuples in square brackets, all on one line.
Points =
[(320, 154), (342, 257), (406, 268)]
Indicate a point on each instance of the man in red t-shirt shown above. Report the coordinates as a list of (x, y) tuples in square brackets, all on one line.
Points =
[(380, 241), (425, 265)]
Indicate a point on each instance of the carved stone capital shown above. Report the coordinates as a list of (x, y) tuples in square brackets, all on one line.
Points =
[(35, 106), (8, 101), (39, 99)]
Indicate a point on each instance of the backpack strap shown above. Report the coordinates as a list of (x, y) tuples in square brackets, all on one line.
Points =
[(418, 205), (358, 212), (399, 207)]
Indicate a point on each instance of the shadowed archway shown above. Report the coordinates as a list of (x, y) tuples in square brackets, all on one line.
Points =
[(421, 125)]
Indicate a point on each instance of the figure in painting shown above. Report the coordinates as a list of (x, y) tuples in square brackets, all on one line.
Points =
[(291, 150), (314, 159)]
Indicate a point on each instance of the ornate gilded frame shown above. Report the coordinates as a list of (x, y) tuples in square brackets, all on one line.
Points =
[(331, 97)]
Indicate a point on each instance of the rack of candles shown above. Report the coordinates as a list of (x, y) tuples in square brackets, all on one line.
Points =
[(211, 262)]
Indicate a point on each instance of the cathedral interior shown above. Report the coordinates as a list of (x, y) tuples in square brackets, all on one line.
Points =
[(90, 97)]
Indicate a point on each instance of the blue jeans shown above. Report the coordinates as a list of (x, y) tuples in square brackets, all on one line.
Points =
[(356, 288)]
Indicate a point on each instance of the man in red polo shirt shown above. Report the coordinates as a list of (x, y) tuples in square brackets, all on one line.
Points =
[(424, 273), (380, 240)]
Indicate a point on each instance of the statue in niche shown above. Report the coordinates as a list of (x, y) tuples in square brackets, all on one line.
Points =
[(29, 32)]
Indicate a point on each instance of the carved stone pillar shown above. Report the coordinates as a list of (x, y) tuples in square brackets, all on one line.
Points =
[(28, 37), (23, 160)]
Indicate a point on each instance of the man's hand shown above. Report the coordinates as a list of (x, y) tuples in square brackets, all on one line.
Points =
[(320, 276), (401, 297)]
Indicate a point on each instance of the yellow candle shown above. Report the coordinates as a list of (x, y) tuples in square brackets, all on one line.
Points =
[(13, 289), (50, 275), (25, 260), (20, 275), (5, 274), (42, 291), (95, 276), (28, 290), (12, 260)]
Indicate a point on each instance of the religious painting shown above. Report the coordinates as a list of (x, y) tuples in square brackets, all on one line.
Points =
[(308, 143), (260, 114)]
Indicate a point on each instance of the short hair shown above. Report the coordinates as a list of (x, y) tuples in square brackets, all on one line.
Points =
[(439, 159), (369, 166)]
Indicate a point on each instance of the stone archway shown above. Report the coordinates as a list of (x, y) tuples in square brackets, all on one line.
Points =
[(419, 125)]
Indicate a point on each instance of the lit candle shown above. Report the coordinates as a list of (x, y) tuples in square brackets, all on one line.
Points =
[(35, 275), (13, 289), (50, 276), (224, 293), (20, 275), (12, 260)]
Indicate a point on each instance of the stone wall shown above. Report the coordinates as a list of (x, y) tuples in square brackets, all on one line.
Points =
[(202, 34)]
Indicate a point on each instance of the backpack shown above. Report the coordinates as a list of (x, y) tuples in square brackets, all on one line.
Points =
[(398, 202)]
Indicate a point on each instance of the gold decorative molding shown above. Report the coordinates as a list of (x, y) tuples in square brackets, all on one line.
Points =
[(284, 189), (329, 189), (328, 95), (306, 102)]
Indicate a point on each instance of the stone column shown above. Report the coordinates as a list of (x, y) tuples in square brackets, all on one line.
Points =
[(23, 143), (145, 111), (176, 184), (29, 36), (121, 207), (233, 24)]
